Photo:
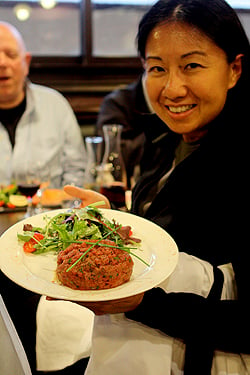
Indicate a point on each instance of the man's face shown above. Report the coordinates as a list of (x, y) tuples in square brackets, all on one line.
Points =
[(14, 68)]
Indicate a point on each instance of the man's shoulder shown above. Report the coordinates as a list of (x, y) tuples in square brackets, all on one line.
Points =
[(45, 91)]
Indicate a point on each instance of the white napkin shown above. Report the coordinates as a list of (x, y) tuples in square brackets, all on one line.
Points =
[(64, 331)]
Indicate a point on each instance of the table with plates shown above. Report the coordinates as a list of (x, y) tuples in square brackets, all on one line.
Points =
[(51, 199)]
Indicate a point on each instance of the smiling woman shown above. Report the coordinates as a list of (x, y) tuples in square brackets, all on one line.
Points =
[(187, 83)]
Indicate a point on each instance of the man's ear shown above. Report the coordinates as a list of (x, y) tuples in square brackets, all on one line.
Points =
[(28, 58)]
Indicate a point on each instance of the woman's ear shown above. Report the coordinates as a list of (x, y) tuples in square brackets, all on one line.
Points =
[(236, 70), (143, 62)]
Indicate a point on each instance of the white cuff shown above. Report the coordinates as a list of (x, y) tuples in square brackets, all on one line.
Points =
[(191, 275)]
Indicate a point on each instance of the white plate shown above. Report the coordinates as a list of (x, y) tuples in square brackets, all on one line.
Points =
[(37, 272)]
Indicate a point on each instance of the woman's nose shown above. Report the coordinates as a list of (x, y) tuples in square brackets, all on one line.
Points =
[(174, 87)]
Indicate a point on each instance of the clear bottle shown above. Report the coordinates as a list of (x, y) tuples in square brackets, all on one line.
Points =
[(112, 176)]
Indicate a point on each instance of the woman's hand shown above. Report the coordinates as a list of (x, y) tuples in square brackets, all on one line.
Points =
[(112, 307), (87, 196)]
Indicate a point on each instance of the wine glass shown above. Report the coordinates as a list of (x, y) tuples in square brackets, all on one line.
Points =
[(28, 183), (44, 177)]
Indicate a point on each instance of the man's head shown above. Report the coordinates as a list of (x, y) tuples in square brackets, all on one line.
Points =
[(14, 66)]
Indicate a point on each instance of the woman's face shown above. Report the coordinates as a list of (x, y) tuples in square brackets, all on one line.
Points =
[(187, 77)]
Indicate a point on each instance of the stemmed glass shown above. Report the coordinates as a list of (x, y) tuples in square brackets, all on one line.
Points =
[(28, 183), (44, 185)]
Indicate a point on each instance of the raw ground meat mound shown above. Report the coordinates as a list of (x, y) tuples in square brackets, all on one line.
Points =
[(101, 268)]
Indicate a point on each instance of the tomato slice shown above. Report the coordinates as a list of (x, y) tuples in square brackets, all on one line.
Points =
[(10, 205), (28, 246)]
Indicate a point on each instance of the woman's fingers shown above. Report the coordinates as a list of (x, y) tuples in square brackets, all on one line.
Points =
[(87, 196)]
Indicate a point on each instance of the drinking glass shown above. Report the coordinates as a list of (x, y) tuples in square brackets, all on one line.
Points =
[(94, 146), (28, 183), (44, 177)]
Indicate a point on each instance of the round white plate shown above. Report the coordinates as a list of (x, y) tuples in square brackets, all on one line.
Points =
[(37, 272)]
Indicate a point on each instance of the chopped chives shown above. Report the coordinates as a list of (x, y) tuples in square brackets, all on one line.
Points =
[(91, 247)]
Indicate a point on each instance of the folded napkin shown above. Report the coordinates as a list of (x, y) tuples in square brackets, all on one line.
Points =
[(64, 332)]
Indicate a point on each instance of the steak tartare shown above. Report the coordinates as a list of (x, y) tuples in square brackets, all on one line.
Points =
[(103, 267)]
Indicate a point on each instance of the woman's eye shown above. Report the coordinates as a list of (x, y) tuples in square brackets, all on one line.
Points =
[(192, 66), (156, 69)]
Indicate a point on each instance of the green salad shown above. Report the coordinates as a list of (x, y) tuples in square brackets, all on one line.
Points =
[(74, 226)]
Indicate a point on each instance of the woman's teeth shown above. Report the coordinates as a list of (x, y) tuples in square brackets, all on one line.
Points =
[(180, 109)]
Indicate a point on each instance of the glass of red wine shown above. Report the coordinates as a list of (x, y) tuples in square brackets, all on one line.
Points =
[(28, 183)]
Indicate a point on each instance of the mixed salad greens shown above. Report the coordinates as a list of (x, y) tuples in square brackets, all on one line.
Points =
[(74, 226)]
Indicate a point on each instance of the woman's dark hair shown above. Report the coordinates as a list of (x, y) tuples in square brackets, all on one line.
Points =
[(214, 18)]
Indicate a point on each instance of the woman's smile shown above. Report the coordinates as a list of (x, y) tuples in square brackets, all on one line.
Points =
[(180, 109)]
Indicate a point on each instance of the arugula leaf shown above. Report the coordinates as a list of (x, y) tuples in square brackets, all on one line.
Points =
[(25, 237)]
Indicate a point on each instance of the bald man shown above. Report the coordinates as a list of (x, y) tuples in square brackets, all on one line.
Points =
[(37, 124)]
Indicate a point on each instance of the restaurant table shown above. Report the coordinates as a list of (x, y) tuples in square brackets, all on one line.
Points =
[(7, 219), (51, 199)]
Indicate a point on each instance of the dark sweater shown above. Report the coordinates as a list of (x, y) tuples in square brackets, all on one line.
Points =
[(204, 205)]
